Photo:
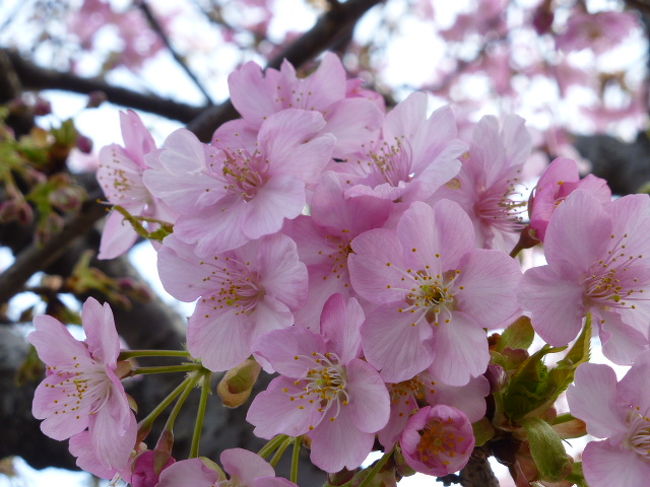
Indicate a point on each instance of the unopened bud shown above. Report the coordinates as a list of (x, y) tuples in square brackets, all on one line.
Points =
[(84, 144), (67, 198), (42, 107), (236, 386), (96, 98)]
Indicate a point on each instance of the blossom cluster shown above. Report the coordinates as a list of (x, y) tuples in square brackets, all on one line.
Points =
[(360, 254)]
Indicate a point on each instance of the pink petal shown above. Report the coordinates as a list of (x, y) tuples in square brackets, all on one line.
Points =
[(605, 465), (281, 197), (188, 472), (113, 439), (118, 236), (137, 139), (341, 322), (393, 345), (220, 339), (460, 350), (253, 93), (578, 234), (59, 422), (488, 276), (288, 351), (101, 335), (555, 303), (82, 448), (592, 398), (354, 122), (273, 412), (369, 406), (53, 342), (376, 265), (339, 443), (245, 466)]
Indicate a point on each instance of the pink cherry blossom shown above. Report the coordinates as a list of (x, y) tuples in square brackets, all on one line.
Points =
[(230, 192), (120, 176), (597, 263), (619, 412), (559, 180), (486, 186), (415, 156), (245, 293), (437, 440), (600, 31), (324, 238), (434, 293), (325, 390), (82, 398), (245, 469), (258, 94)]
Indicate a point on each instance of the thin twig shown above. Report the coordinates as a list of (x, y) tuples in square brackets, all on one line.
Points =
[(158, 29)]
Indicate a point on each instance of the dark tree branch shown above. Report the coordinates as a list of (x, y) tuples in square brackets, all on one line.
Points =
[(34, 77), (328, 30), (158, 29), (477, 472)]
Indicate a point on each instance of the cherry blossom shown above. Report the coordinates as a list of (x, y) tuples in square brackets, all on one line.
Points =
[(619, 412), (81, 397)]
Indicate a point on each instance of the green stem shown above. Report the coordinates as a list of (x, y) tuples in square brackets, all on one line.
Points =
[(193, 379), (165, 369), (295, 460), (151, 417), (280, 452), (125, 354), (375, 469), (200, 415), (271, 445)]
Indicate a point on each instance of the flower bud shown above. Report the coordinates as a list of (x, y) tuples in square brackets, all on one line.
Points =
[(236, 385)]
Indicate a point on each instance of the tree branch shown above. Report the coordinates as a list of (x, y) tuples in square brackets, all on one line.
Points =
[(327, 31), (477, 472), (158, 29), (33, 77)]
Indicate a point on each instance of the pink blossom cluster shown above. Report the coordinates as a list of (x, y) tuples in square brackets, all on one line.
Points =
[(361, 254)]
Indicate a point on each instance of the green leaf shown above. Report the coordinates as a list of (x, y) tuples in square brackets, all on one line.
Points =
[(518, 335), (547, 450), (483, 431), (529, 387)]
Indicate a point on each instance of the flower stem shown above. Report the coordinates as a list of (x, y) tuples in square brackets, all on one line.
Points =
[(151, 417), (271, 445), (165, 369), (280, 452), (191, 382), (295, 459), (375, 469), (200, 415), (125, 354)]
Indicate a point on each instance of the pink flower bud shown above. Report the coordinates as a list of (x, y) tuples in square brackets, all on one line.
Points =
[(437, 440)]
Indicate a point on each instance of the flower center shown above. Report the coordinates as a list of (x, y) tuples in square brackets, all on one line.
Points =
[(244, 173), (390, 163), (639, 439), (324, 382), (431, 296), (611, 282), (438, 440), (84, 385), (236, 284)]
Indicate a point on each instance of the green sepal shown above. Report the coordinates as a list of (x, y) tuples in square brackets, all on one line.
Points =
[(135, 221), (547, 450), (529, 387), (519, 334)]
